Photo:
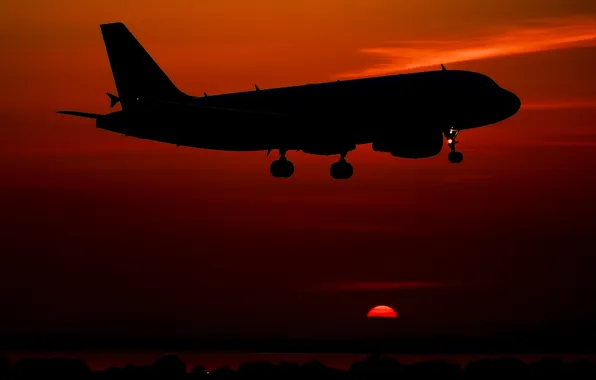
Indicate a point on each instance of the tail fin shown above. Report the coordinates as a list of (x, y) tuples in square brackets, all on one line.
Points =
[(136, 74)]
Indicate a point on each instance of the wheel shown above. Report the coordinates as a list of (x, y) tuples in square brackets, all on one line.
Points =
[(288, 169), (341, 170), (282, 168), (455, 157)]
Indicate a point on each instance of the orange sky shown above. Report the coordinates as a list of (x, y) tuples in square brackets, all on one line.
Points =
[(228, 45), (53, 55), (84, 204)]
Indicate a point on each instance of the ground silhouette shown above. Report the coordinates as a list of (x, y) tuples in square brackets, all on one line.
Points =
[(170, 367)]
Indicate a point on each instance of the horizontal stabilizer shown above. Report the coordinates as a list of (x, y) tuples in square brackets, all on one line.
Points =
[(82, 114), (113, 99)]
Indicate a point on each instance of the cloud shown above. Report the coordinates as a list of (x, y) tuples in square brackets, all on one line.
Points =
[(532, 36), (376, 286), (469, 177), (562, 104), (570, 144)]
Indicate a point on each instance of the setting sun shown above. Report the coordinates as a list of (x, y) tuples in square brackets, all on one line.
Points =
[(382, 311)]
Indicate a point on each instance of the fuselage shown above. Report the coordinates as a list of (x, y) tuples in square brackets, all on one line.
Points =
[(323, 117)]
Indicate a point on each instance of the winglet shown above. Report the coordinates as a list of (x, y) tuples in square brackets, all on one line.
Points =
[(257, 88), (113, 99), (443, 67), (204, 93)]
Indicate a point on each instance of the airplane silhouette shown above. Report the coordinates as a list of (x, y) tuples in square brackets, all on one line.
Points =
[(406, 115)]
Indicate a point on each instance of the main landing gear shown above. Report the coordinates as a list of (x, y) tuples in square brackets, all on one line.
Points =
[(341, 169), (282, 168), (454, 157)]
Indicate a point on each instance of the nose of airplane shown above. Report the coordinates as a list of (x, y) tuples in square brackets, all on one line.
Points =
[(514, 101)]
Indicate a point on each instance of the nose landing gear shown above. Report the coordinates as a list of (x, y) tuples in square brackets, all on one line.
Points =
[(454, 156)]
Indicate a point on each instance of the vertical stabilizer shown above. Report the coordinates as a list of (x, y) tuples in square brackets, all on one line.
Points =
[(136, 74)]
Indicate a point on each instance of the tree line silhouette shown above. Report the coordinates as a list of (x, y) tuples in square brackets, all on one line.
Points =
[(170, 367)]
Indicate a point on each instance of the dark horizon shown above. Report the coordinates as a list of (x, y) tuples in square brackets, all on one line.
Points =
[(172, 366), (507, 344)]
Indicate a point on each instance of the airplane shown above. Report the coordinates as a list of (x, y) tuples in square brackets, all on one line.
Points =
[(407, 115)]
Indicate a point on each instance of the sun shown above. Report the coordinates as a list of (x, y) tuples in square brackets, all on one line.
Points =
[(382, 311)]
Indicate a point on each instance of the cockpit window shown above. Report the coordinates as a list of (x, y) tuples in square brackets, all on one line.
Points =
[(470, 81), (489, 82)]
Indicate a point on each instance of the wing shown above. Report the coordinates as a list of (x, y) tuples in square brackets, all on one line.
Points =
[(217, 110), (199, 114)]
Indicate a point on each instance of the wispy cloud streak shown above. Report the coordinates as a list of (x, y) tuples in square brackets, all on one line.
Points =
[(562, 104), (530, 37), (376, 286)]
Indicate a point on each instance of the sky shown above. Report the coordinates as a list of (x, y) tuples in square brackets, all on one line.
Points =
[(105, 235)]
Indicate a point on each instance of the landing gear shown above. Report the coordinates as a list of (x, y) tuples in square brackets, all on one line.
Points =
[(282, 168), (454, 157), (341, 169)]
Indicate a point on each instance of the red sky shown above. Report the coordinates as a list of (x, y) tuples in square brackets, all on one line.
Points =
[(104, 234)]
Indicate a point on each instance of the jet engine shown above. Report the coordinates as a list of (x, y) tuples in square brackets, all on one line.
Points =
[(328, 148), (413, 144)]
